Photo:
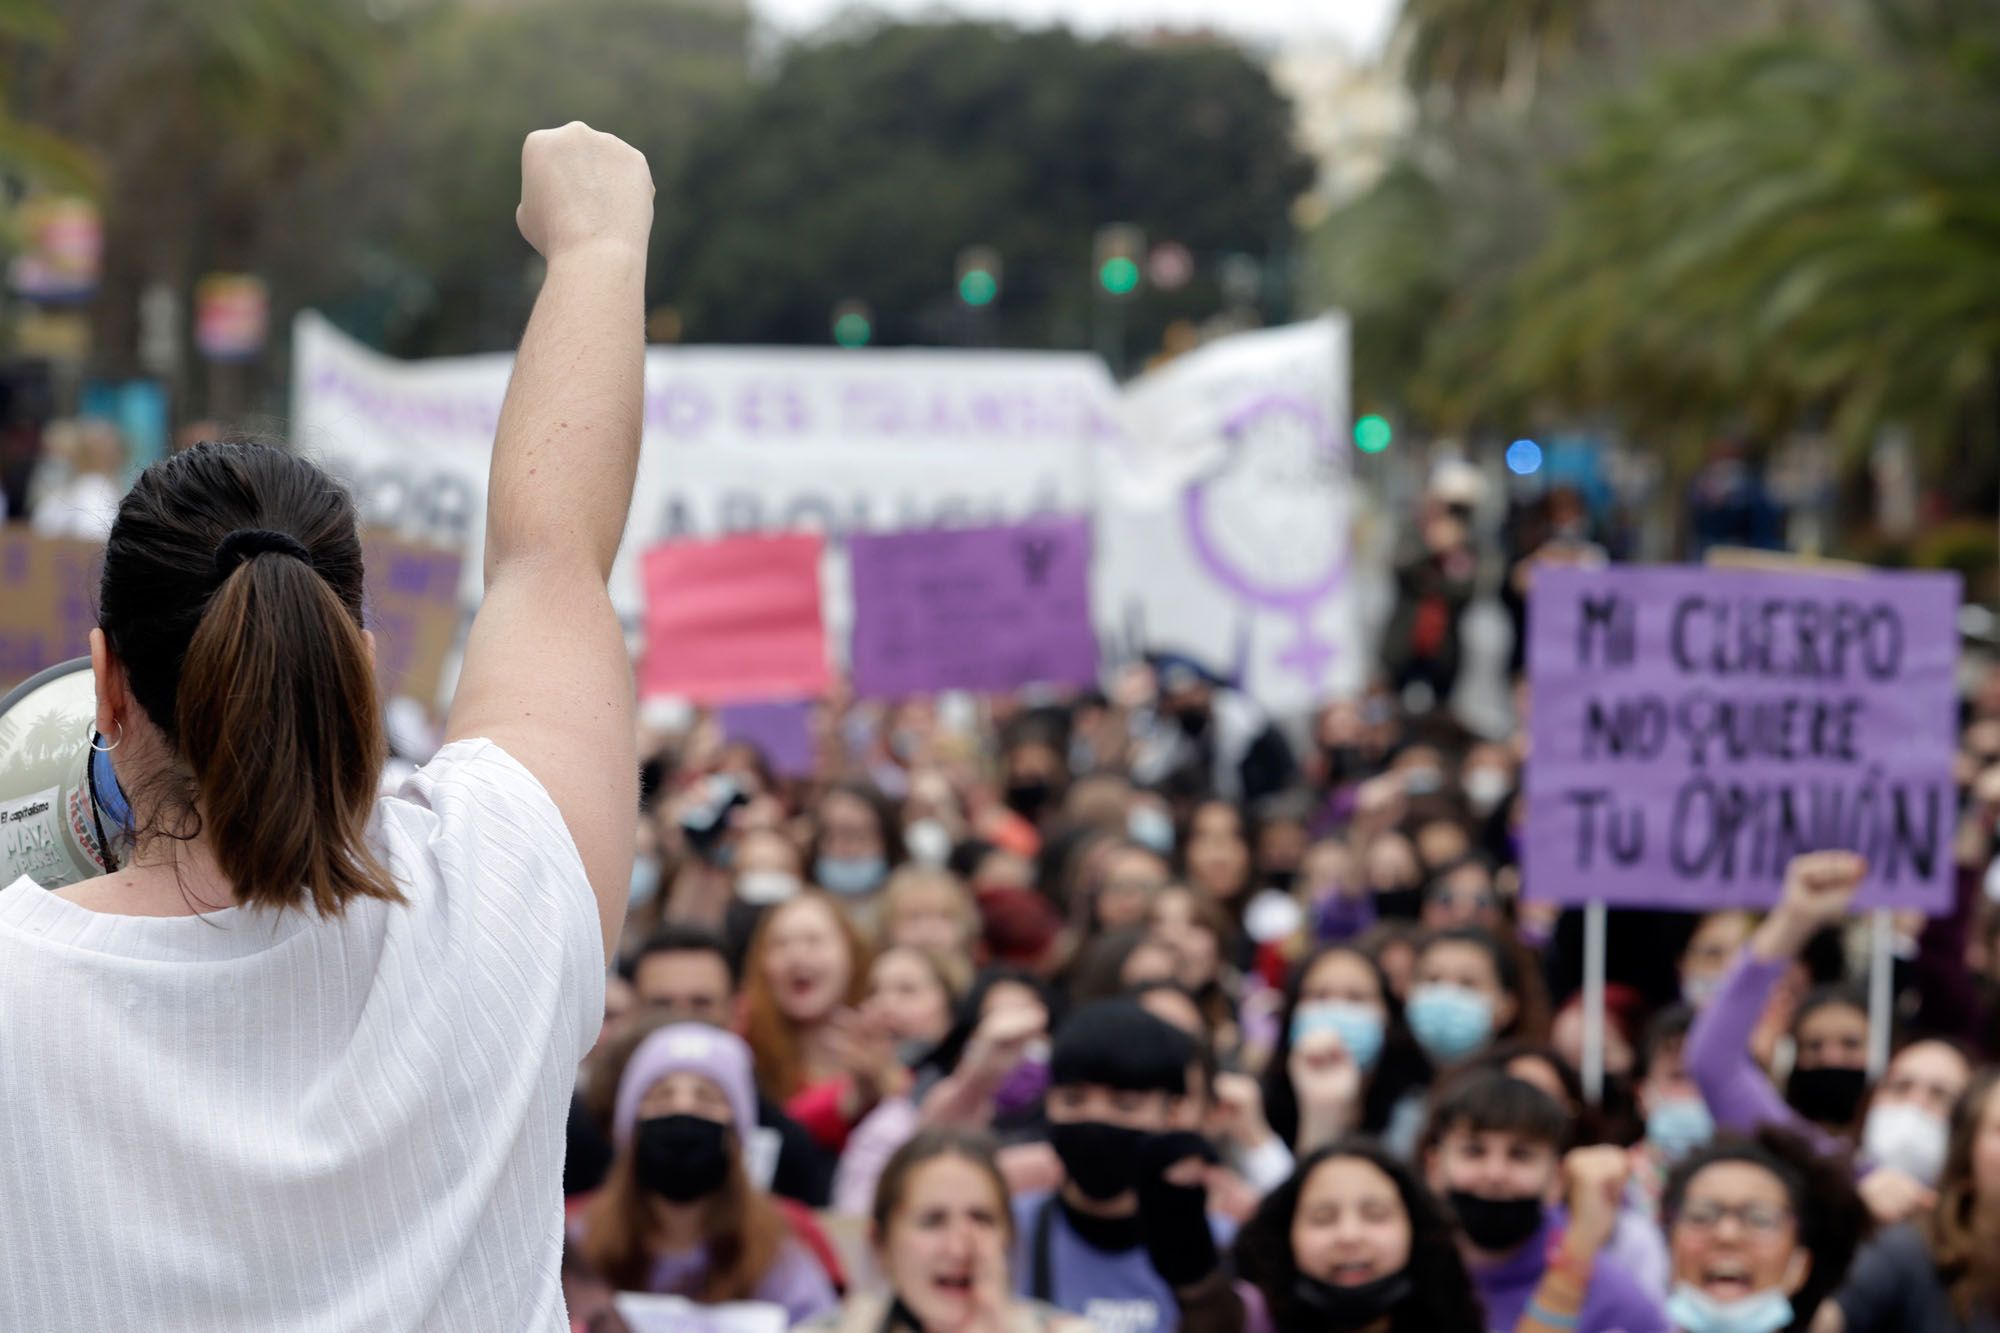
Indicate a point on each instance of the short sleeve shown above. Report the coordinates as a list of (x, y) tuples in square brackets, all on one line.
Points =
[(476, 834)]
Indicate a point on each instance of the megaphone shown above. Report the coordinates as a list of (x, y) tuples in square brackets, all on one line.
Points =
[(62, 815)]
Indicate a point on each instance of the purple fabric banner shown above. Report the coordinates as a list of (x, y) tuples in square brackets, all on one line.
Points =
[(1692, 729), (972, 609)]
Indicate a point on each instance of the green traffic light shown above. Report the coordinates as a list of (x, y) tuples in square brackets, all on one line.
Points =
[(852, 330), (1372, 434), (1119, 275), (977, 287)]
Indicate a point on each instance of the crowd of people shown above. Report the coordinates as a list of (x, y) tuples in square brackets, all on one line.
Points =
[(1123, 1011), (1022, 1012)]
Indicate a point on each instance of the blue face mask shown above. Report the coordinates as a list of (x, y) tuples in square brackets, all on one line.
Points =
[(1692, 1311), (1449, 1022), (645, 881), (1358, 1027), (1150, 827), (850, 876), (1679, 1126)]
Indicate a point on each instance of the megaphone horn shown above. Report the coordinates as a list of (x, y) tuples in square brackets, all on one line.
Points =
[(62, 815)]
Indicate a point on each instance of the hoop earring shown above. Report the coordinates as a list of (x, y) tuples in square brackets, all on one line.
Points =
[(96, 736)]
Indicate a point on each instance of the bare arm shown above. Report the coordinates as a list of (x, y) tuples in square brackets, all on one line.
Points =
[(546, 674)]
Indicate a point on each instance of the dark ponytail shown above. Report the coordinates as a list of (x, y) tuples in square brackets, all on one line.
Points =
[(232, 595)]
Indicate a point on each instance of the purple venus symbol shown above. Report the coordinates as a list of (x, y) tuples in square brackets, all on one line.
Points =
[(1285, 418)]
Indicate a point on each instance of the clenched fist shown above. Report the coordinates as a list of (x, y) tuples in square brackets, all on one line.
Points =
[(581, 188)]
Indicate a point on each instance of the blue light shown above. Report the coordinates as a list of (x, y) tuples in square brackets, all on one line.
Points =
[(1523, 457)]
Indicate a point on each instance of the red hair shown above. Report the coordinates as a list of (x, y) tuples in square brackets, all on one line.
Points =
[(776, 1041)]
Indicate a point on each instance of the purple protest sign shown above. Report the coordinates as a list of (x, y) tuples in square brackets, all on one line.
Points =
[(1693, 729), (972, 609), (782, 730)]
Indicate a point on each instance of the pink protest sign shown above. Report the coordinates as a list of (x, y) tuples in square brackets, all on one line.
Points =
[(973, 608), (1694, 729), (734, 620)]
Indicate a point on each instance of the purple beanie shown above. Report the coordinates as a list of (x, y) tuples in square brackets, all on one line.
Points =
[(691, 1048)]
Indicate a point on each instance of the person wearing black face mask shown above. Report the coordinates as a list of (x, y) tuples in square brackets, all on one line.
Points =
[(1354, 1242), (1829, 1031), (1492, 1153), (678, 1214), (1116, 1075)]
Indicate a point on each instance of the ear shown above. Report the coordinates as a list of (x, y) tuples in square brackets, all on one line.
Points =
[(114, 692), (1797, 1270), (1432, 1175), (1504, 1011), (368, 637)]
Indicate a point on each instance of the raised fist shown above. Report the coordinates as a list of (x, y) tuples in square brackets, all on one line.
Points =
[(1820, 886), (580, 188)]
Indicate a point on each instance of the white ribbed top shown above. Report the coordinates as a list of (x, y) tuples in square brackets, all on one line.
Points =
[(252, 1121)]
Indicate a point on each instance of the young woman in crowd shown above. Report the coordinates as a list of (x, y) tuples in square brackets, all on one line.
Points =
[(1466, 992), (1355, 1242), (912, 995), (1338, 992), (1202, 936), (1676, 1119), (1215, 859), (1761, 1230), (806, 973), (1493, 1151), (942, 1228), (1941, 1273), (1902, 1138), (928, 908), (856, 842), (677, 1214), (1635, 1241)]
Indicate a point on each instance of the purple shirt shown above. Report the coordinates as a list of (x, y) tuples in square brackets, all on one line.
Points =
[(1116, 1290), (1614, 1302), (1717, 1055)]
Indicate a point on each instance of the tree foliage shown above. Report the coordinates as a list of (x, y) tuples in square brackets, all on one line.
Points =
[(862, 168), (1792, 227), (414, 245)]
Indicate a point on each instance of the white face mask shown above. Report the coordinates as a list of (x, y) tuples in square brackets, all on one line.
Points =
[(1908, 1139), (760, 888), (1485, 788), (929, 842)]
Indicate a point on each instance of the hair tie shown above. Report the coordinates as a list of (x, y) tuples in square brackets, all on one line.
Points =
[(244, 543)]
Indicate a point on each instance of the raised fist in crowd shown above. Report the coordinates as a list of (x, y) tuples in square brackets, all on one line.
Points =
[(581, 188)]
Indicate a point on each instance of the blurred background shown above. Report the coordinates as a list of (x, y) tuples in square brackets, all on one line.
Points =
[(1728, 269)]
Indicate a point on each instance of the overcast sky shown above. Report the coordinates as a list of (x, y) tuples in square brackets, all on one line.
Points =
[(1362, 24)]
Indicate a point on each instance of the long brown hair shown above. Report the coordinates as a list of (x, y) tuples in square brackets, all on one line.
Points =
[(232, 595), (743, 1229), (1962, 1229), (774, 1039)]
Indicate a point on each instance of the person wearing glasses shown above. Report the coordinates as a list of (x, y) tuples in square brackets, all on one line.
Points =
[(1760, 1230)]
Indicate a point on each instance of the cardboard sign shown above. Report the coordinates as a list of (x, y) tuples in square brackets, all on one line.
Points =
[(736, 620), (782, 730), (973, 609), (414, 610), (1693, 730), (48, 600)]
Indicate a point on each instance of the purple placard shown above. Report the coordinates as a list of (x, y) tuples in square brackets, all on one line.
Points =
[(1695, 728), (782, 729), (972, 609)]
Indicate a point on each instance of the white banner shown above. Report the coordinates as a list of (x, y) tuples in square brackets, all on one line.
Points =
[(1219, 484), (1225, 515)]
